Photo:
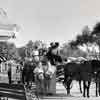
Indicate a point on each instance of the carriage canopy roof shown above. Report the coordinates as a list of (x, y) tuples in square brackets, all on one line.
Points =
[(78, 59)]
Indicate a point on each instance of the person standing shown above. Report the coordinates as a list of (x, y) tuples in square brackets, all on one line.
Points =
[(50, 79), (39, 78), (35, 54), (9, 73)]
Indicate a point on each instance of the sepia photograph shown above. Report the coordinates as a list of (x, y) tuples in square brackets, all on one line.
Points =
[(49, 49)]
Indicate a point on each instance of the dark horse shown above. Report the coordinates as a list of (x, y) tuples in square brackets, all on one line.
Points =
[(77, 71), (96, 73), (60, 76), (82, 72)]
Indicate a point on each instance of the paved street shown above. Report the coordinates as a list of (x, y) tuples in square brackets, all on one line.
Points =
[(61, 92), (75, 93), (5, 89), (4, 79)]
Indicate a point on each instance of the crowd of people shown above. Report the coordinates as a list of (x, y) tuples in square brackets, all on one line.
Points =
[(40, 68)]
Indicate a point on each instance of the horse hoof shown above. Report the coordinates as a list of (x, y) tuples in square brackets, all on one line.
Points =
[(84, 96), (96, 95), (88, 96), (81, 92), (69, 95)]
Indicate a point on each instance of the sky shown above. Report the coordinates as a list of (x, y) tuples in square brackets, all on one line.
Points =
[(50, 20)]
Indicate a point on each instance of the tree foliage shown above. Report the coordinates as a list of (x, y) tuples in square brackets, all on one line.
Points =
[(21, 52), (96, 29), (29, 47), (96, 33), (8, 50), (68, 51), (86, 38)]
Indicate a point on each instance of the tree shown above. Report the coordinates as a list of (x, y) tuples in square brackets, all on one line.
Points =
[(12, 51), (68, 51), (39, 44), (29, 44), (96, 33), (21, 52), (83, 38), (73, 44), (8, 50), (3, 49), (96, 29), (86, 38), (29, 48)]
